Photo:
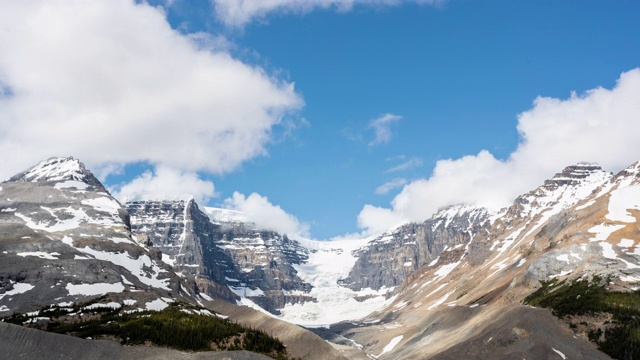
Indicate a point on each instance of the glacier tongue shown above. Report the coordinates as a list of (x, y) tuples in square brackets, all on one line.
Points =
[(329, 263)]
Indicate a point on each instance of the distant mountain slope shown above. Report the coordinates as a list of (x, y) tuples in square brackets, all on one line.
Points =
[(580, 223)]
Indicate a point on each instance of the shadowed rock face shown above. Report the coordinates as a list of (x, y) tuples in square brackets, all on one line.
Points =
[(229, 259), (63, 238)]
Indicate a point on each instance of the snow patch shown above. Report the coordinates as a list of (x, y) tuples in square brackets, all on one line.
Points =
[(246, 291), (441, 300), (40, 254), (559, 353), (136, 267), (18, 288), (167, 259), (110, 305), (391, 345), (158, 304), (607, 250), (621, 201), (103, 204), (603, 232), (626, 243), (586, 205), (94, 289), (71, 184)]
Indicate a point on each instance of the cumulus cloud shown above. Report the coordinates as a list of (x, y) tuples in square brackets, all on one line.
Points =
[(165, 184), (382, 128), (390, 185), (266, 215), (601, 125), (375, 220), (110, 82), (240, 12)]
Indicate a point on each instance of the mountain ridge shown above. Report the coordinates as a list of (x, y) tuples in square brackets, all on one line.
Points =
[(386, 295)]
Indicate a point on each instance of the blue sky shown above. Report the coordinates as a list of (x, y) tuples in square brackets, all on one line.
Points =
[(458, 75), (454, 76)]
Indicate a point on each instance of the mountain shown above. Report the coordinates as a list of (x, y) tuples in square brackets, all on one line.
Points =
[(229, 258), (460, 284), (580, 224), (297, 279), (68, 256), (388, 259), (65, 239)]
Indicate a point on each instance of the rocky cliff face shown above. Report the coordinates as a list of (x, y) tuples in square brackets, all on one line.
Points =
[(229, 258), (265, 262), (187, 240), (389, 259), (63, 239)]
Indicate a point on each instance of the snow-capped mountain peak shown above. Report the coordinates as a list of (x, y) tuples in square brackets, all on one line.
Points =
[(567, 188), (57, 169), (576, 175)]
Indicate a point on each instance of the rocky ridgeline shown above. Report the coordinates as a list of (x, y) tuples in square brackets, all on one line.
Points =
[(539, 210), (229, 259), (581, 224), (64, 239), (387, 260), (574, 175)]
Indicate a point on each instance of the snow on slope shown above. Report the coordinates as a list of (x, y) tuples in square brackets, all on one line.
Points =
[(328, 263), (55, 169), (622, 200), (219, 215)]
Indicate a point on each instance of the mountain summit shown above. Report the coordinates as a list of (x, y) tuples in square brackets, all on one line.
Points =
[(58, 169)]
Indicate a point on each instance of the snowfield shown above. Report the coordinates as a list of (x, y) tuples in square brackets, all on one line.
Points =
[(332, 261)]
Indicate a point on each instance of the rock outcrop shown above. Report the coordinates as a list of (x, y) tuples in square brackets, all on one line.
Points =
[(390, 258), (229, 258)]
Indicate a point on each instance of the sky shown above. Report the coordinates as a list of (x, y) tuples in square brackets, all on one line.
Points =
[(321, 118)]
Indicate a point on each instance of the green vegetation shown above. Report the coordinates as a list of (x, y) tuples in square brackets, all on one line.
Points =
[(175, 327), (620, 338)]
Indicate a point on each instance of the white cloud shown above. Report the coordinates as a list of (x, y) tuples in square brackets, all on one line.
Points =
[(602, 125), (382, 128), (241, 12), (165, 184), (414, 162), (375, 220), (266, 215), (110, 82), (390, 185)]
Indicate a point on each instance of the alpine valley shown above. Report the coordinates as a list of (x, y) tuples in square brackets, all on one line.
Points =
[(556, 275)]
